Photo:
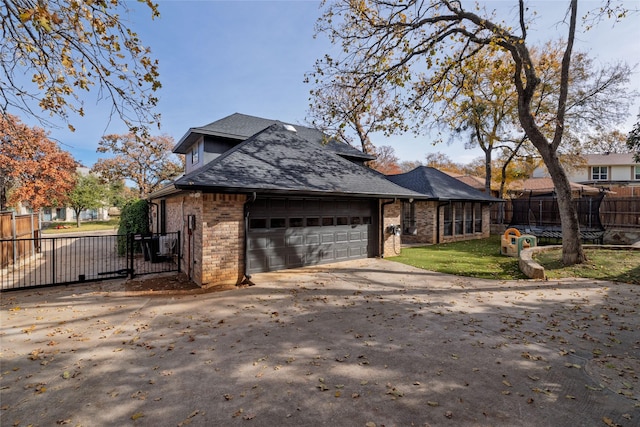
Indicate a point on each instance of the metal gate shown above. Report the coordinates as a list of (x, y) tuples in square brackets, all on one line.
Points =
[(64, 260)]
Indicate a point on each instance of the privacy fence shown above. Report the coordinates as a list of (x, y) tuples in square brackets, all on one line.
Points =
[(615, 212), (18, 237)]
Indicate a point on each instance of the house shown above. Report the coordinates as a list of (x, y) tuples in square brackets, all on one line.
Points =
[(544, 185), (66, 213), (617, 172), (452, 210), (261, 195)]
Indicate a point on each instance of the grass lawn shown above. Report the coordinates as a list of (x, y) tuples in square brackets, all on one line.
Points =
[(482, 259), (473, 258), (603, 264), (70, 227)]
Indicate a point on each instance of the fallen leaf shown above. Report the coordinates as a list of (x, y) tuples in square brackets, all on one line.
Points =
[(137, 415)]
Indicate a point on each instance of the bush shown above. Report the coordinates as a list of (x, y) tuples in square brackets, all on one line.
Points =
[(134, 219)]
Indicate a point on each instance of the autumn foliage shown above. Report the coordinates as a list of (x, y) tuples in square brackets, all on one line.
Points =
[(34, 171)]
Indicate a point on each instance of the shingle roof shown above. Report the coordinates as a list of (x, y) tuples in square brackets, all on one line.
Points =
[(278, 160), (545, 185), (438, 185), (241, 126), (610, 159)]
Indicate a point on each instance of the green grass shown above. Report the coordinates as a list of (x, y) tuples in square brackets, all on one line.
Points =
[(70, 227), (482, 259), (602, 264), (473, 258)]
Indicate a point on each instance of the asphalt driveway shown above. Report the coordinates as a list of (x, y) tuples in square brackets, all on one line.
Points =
[(361, 343)]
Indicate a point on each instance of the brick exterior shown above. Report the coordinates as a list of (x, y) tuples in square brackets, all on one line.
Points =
[(391, 244), (426, 214), (219, 223)]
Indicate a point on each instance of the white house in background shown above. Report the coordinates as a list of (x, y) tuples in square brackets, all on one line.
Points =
[(64, 213), (616, 172)]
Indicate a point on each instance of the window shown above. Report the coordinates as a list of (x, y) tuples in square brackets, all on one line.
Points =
[(342, 220), (257, 223), (468, 218), (313, 222), (458, 215), (636, 174), (194, 155), (478, 218), (277, 223), (296, 222), (355, 220), (599, 173), (408, 216), (327, 221), (448, 220)]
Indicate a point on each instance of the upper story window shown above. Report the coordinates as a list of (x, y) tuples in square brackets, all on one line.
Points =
[(599, 173), (194, 155), (636, 174)]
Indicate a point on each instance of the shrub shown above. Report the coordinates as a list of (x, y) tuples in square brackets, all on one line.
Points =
[(134, 219)]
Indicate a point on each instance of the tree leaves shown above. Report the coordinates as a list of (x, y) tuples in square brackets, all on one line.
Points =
[(70, 46), (33, 169)]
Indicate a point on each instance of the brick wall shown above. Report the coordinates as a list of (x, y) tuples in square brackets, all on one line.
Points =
[(213, 253), (223, 237), (391, 243), (426, 224)]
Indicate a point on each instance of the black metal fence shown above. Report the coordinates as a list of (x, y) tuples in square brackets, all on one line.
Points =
[(64, 260)]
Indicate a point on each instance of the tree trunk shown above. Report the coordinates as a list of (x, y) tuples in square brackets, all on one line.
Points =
[(487, 171), (572, 252)]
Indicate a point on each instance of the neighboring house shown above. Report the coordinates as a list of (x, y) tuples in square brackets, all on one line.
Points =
[(65, 213), (453, 210), (261, 195), (616, 172), (540, 186)]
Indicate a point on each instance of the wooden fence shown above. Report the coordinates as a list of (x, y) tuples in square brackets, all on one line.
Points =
[(18, 237)]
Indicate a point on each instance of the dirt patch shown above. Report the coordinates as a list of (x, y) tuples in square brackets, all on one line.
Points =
[(173, 282)]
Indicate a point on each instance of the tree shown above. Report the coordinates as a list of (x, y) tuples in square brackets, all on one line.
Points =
[(415, 45), (443, 162), (633, 140), (88, 193), (33, 169), (386, 161), (148, 162), (605, 142), (64, 48)]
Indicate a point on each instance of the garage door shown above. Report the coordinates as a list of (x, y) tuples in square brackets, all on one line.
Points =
[(289, 233)]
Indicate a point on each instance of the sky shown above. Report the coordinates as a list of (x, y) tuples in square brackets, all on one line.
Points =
[(221, 57)]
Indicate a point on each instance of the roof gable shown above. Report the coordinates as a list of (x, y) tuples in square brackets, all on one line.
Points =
[(278, 160), (438, 185)]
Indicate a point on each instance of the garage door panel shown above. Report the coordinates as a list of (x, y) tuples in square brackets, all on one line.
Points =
[(307, 232)]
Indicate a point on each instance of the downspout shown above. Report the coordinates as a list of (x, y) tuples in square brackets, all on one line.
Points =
[(382, 225), (247, 277), (438, 220)]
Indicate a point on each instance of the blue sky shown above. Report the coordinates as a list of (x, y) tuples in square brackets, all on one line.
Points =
[(221, 57)]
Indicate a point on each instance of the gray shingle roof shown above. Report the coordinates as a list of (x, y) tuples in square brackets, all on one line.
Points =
[(278, 160), (241, 126), (438, 185)]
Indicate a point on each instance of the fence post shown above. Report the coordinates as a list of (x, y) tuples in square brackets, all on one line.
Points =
[(13, 236), (130, 254), (178, 243)]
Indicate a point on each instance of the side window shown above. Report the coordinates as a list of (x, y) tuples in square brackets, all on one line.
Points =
[(195, 155)]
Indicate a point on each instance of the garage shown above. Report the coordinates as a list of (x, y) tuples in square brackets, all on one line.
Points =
[(288, 233)]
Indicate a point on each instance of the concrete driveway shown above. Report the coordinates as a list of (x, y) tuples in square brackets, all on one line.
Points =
[(360, 343)]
